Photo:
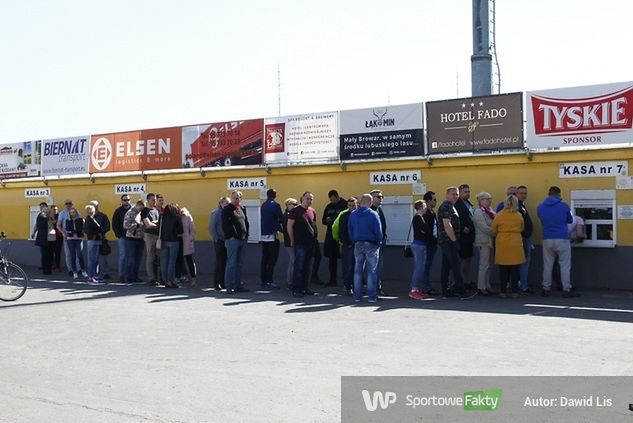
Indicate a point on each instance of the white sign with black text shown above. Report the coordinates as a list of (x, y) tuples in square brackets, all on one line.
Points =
[(395, 177), (37, 192), (593, 169), (245, 183), (121, 189)]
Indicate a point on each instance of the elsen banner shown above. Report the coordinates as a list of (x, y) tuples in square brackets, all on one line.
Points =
[(382, 132), (20, 160), (65, 156), (475, 124), (223, 144), (580, 116), (301, 138), (137, 150)]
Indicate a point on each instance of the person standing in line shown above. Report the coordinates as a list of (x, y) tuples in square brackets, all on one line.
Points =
[(270, 224), (330, 246), (465, 209), (61, 224), (290, 203), (236, 229), (104, 223), (421, 231), (74, 235), (217, 234), (134, 244), (511, 190), (431, 242), (507, 227), (149, 217), (171, 232), (59, 239), (119, 231), (528, 228), (365, 231), (483, 241), (94, 235), (42, 234), (302, 231), (340, 232), (555, 215), (376, 205), (188, 244)]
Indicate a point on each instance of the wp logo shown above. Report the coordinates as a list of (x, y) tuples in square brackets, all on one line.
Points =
[(384, 399)]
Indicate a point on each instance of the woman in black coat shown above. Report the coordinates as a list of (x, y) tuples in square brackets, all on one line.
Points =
[(44, 225)]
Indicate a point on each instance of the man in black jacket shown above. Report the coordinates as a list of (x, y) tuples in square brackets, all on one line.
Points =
[(119, 232), (376, 205), (104, 223), (347, 246), (528, 228), (330, 246), (466, 210), (235, 227)]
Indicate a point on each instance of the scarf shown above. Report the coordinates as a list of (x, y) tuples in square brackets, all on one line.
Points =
[(488, 211)]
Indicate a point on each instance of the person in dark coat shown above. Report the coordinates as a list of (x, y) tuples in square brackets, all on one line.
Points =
[(43, 227), (330, 246)]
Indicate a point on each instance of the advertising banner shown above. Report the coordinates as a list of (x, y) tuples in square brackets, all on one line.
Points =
[(580, 116), (223, 144), (65, 156), (475, 124), (20, 160), (301, 138), (146, 149), (382, 132)]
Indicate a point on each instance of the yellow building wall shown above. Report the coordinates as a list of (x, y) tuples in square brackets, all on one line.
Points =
[(492, 173)]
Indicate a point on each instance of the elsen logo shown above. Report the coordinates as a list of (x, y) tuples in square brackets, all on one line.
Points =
[(385, 399), (561, 116), (101, 154)]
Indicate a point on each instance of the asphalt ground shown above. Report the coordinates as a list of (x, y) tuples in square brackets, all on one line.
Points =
[(72, 352)]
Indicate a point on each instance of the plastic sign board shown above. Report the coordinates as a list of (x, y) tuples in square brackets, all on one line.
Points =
[(21, 160), (239, 184), (65, 156), (593, 169), (37, 192), (395, 177), (121, 189)]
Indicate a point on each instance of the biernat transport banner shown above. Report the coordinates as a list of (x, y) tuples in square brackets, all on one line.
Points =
[(20, 160), (301, 138), (382, 132), (223, 144), (580, 116), (65, 156), (475, 124), (146, 149)]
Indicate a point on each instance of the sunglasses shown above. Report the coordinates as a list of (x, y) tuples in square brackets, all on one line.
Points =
[(68, 204), (126, 199)]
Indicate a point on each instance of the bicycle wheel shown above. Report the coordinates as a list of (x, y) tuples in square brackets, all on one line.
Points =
[(13, 281)]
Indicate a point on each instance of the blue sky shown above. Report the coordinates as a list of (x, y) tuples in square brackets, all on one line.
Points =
[(78, 67)]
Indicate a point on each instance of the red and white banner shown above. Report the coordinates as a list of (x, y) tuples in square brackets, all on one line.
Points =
[(580, 116)]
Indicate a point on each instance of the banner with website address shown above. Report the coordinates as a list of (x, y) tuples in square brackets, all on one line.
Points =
[(382, 132), (223, 144), (301, 138), (20, 160), (65, 156), (580, 116), (145, 149), (475, 124)]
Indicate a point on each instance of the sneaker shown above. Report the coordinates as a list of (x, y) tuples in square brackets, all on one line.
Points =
[(372, 300), (431, 293), (84, 274), (94, 281), (570, 294), (269, 286), (308, 292), (75, 275), (349, 292), (357, 300), (527, 291), (241, 289), (417, 295), (545, 293), (383, 293)]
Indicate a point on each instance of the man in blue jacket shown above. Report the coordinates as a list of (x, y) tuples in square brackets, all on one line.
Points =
[(271, 215), (554, 215), (365, 232)]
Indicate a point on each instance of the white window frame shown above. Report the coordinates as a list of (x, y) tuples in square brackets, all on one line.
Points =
[(395, 237), (596, 199), (254, 219), (34, 211)]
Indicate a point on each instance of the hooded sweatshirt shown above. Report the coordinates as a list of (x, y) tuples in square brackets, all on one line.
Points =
[(364, 225), (554, 214)]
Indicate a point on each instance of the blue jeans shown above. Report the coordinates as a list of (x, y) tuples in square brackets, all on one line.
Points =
[(122, 262), (419, 262), (348, 265), (367, 255), (169, 254), (431, 249), (303, 257), (527, 248), (73, 246), (93, 257), (235, 253), (451, 262), (134, 252)]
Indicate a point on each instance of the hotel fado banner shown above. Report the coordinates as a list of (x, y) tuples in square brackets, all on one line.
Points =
[(65, 156), (223, 144), (475, 124), (382, 132), (301, 138), (146, 149), (20, 160), (580, 116)]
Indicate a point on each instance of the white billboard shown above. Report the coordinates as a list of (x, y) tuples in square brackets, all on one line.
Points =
[(20, 160), (65, 156)]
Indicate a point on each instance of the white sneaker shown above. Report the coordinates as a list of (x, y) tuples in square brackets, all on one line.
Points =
[(84, 274), (75, 275)]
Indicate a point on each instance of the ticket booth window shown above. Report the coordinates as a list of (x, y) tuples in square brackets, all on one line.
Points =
[(398, 212), (597, 209), (252, 212)]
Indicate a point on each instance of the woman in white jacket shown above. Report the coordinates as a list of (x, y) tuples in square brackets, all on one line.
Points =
[(188, 239), (482, 219)]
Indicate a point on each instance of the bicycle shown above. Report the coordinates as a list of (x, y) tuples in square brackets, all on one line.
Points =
[(13, 279)]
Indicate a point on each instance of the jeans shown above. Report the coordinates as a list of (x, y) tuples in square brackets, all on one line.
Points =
[(169, 254), (235, 253), (220, 264), (451, 262), (150, 250), (291, 265), (419, 263), (527, 249), (316, 254), (431, 249), (74, 250), (348, 265), (552, 248), (134, 251), (270, 255), (93, 257), (72, 263), (122, 261), (367, 255), (303, 256)]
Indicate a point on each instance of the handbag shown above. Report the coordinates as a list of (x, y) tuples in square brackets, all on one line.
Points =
[(407, 248), (105, 248), (159, 242)]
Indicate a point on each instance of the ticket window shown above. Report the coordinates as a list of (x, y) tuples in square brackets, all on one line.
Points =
[(34, 211), (398, 212), (598, 209), (252, 212)]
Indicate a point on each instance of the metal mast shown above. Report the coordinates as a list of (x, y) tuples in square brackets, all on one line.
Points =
[(481, 59)]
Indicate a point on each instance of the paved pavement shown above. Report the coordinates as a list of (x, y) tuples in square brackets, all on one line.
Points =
[(73, 352)]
